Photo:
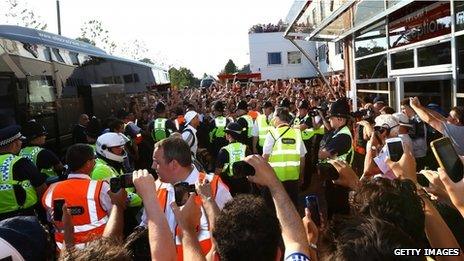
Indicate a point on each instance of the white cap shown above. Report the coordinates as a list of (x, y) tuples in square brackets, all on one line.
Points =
[(386, 120), (189, 116), (402, 119)]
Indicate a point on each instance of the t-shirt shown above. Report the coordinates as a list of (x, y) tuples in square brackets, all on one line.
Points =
[(456, 134)]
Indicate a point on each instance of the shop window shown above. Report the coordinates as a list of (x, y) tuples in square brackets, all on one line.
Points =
[(294, 57), (338, 47), (367, 9), (371, 40), (402, 60), (460, 62), (460, 101), (322, 53), (434, 54), (372, 68), (459, 10), (377, 86), (274, 58), (419, 21)]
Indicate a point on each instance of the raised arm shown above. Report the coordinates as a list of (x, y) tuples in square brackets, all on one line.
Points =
[(426, 115)]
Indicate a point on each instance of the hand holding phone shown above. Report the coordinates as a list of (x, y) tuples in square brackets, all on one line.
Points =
[(312, 203), (395, 148), (448, 158), (58, 209), (182, 191), (242, 169), (123, 181)]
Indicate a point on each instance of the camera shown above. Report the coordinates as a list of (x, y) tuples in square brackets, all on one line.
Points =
[(364, 114), (242, 169), (182, 191), (123, 181), (328, 170), (314, 110)]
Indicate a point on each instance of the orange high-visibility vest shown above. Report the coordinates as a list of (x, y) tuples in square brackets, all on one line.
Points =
[(179, 121), (204, 237), (83, 193)]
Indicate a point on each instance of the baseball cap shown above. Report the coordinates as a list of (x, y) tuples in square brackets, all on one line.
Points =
[(402, 119), (386, 120), (189, 116)]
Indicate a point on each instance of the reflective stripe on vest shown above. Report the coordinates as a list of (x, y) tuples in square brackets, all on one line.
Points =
[(159, 127), (31, 153), (204, 237), (310, 132), (8, 201), (263, 128), (249, 121), (79, 193), (220, 123), (236, 152), (343, 157), (285, 156)]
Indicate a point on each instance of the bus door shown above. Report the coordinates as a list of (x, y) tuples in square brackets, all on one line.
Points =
[(7, 99)]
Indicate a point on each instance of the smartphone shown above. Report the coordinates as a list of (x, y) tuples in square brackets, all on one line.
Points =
[(395, 148), (123, 181), (58, 209), (182, 191), (312, 203), (422, 180), (242, 169), (328, 170), (448, 158)]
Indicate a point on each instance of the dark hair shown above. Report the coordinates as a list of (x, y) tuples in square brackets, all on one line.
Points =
[(459, 110), (395, 201), (283, 114), (405, 102), (247, 229), (175, 149), (115, 124), (363, 238), (101, 249), (388, 110), (77, 155)]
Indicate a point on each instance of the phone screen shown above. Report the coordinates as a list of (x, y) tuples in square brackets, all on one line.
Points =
[(58, 209), (313, 205), (395, 149), (449, 159), (126, 180)]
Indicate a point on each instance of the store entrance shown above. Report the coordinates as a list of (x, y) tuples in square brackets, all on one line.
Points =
[(432, 89)]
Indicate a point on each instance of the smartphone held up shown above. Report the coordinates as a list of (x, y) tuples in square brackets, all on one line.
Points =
[(448, 158)]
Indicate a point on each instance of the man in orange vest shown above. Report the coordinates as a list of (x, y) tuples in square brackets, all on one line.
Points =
[(89, 200), (173, 163)]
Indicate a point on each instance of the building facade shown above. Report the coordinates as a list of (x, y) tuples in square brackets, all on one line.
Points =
[(392, 48)]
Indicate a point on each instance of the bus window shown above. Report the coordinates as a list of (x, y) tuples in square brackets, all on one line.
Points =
[(47, 54), (74, 59), (41, 89), (58, 56)]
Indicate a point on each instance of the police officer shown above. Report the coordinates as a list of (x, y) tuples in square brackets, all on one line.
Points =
[(285, 151), (45, 160), (336, 144), (261, 127), (21, 183), (246, 122), (93, 131), (217, 135), (162, 127), (229, 154)]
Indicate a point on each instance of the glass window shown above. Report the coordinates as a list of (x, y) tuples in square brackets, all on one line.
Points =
[(136, 77), (433, 91), (459, 9), (108, 80), (322, 9), (294, 57), (32, 49), (434, 54), (41, 89), (419, 21), (117, 79), (371, 68), (460, 62), (460, 101), (371, 40), (391, 3), (128, 78), (367, 9), (376, 86), (338, 47), (401, 60), (57, 54), (321, 53), (47, 54), (74, 59), (274, 58)]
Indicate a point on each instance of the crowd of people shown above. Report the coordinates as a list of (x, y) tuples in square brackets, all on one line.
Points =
[(278, 170)]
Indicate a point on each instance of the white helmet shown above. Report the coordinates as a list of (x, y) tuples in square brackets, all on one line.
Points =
[(110, 140)]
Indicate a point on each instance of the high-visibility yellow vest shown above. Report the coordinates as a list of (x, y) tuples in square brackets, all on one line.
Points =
[(285, 156), (236, 152), (219, 131), (31, 152), (8, 202), (307, 133), (159, 129), (263, 128), (344, 157), (249, 123)]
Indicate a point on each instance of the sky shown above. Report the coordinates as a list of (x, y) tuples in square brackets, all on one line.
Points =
[(200, 35)]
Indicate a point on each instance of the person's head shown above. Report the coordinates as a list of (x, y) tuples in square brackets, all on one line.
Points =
[(11, 139), (361, 237), (218, 108), (241, 108), (104, 248), (456, 116), (378, 106), (171, 159), (116, 125), (281, 116), (387, 126), (303, 107), (35, 133), (339, 113), (387, 110), (268, 108), (93, 130), (233, 131), (80, 158), (84, 119), (111, 146), (247, 229), (403, 120), (395, 201), (406, 109), (160, 109), (192, 119)]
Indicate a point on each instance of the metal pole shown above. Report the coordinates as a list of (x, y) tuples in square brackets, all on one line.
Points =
[(58, 16), (314, 63)]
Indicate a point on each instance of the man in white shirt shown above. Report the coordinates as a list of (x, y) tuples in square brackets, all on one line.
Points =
[(189, 133), (173, 163)]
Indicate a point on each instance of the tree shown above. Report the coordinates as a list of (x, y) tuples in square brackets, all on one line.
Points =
[(135, 50), (230, 67), (146, 60), (181, 77), (245, 69), (21, 15), (96, 34), (85, 40)]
